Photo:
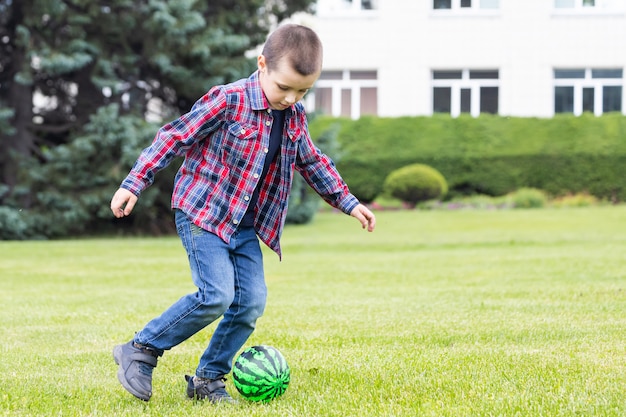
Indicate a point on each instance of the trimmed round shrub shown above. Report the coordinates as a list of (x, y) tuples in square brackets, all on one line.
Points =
[(416, 183)]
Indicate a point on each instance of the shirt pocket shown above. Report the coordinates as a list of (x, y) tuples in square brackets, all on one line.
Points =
[(241, 131), (241, 144), (294, 132)]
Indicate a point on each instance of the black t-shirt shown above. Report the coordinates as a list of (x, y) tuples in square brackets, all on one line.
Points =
[(276, 136)]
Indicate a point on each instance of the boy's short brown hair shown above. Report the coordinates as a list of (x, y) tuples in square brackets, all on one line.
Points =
[(299, 44)]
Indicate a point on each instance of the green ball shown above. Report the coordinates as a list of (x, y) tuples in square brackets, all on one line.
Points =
[(261, 373)]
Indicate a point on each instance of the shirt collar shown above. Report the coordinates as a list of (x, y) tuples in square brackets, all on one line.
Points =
[(255, 92)]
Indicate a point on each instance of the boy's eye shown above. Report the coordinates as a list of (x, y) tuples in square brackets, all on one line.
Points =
[(286, 88)]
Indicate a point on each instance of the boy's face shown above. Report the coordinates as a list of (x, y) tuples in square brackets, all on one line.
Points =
[(283, 86)]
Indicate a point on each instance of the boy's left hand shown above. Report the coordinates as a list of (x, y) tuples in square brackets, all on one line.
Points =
[(365, 216)]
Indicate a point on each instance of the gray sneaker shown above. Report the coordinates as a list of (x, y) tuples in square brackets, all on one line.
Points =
[(213, 390), (135, 372)]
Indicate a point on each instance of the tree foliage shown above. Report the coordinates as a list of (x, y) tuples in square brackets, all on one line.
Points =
[(71, 202), (79, 79)]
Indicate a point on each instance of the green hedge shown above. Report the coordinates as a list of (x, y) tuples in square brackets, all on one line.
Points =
[(491, 155)]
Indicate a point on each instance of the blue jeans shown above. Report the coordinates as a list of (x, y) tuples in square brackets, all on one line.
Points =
[(230, 282)]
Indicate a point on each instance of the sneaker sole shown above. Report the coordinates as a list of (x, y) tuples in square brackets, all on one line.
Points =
[(117, 356)]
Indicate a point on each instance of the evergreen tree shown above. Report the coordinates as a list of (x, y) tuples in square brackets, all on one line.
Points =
[(72, 71)]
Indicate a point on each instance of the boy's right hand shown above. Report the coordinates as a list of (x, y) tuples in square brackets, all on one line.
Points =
[(123, 202)]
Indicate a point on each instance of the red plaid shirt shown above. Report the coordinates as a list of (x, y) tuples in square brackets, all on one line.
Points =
[(224, 139)]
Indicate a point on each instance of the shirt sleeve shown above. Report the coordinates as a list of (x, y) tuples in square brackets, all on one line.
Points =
[(320, 173), (175, 138)]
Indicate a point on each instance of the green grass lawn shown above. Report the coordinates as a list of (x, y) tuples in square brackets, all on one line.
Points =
[(436, 313)]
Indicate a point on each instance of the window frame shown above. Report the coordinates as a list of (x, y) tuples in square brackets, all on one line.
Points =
[(581, 86), (579, 7), (459, 86), (457, 9), (341, 82), (337, 8)]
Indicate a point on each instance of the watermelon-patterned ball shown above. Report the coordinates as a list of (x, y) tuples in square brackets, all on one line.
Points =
[(261, 373)]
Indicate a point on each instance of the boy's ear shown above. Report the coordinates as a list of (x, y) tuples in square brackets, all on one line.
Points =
[(261, 64)]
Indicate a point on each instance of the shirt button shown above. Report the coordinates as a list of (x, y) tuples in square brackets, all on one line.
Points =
[(243, 131), (246, 198), (268, 123), (255, 175), (235, 221), (266, 150)]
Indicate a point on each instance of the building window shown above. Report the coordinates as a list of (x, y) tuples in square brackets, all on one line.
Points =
[(345, 7), (347, 93), (573, 4), (588, 6), (465, 91), (465, 5), (590, 90), (368, 4)]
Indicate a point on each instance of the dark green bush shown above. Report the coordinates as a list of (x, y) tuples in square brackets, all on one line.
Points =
[(491, 155), (415, 183)]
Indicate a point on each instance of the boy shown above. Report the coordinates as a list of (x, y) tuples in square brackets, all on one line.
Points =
[(241, 143)]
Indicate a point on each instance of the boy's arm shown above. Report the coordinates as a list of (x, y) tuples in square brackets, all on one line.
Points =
[(174, 138), (365, 216), (123, 202), (320, 173), (171, 140)]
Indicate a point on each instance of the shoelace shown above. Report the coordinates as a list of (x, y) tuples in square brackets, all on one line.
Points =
[(145, 368)]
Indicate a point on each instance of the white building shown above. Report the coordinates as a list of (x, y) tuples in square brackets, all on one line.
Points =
[(510, 57)]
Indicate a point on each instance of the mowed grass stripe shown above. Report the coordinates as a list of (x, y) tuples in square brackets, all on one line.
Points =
[(441, 313)]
